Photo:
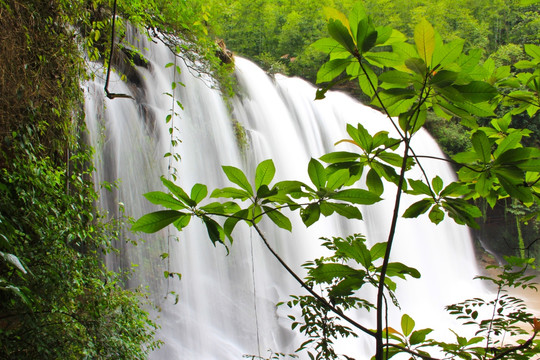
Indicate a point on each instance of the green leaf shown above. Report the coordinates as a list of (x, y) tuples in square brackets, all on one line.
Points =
[(477, 91), (417, 65), (400, 270), (374, 182), (237, 176), (449, 53), (361, 137), (155, 221), (348, 211), (317, 174), (481, 146), (436, 215), (341, 34), (177, 191), (437, 184), (418, 187), (366, 36), (509, 142), (327, 272), (378, 250), (356, 251), (357, 14), (418, 208), (182, 222), (339, 157), (424, 38), (338, 179), (443, 78), (368, 81), (198, 192), (328, 45), (310, 214), (532, 50), (407, 324), (215, 231), (278, 218), (396, 77), (331, 69), (383, 59), (166, 200), (230, 192), (264, 173), (356, 196), (230, 223), (419, 336)]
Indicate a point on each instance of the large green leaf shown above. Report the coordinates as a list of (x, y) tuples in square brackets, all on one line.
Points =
[(177, 191), (407, 324), (356, 196), (361, 136), (383, 58), (327, 272), (348, 211), (166, 200), (356, 251), (316, 173), (477, 91), (339, 157), (374, 182), (368, 81), (331, 69), (238, 177), (328, 45), (310, 214), (448, 53), (481, 146), (424, 37), (215, 231), (341, 34), (264, 173), (337, 179), (155, 221), (278, 218), (418, 208), (230, 192), (357, 14), (198, 192)]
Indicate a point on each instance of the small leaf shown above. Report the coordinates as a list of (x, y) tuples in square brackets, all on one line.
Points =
[(331, 69), (481, 146), (310, 214), (198, 192), (407, 324), (356, 196), (418, 208), (264, 173), (278, 218), (436, 215), (316, 173), (166, 200), (341, 34), (374, 182), (237, 176), (155, 221)]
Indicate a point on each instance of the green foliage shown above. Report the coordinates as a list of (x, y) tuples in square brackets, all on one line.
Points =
[(72, 307), (405, 81)]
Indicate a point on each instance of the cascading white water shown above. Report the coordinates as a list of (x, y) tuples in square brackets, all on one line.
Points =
[(227, 302)]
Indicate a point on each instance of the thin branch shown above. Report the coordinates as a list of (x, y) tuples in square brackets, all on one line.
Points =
[(525, 345), (323, 301)]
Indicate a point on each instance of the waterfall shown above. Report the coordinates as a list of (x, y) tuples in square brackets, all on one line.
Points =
[(226, 304)]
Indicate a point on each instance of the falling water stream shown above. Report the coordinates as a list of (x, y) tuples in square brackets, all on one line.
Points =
[(226, 304)]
